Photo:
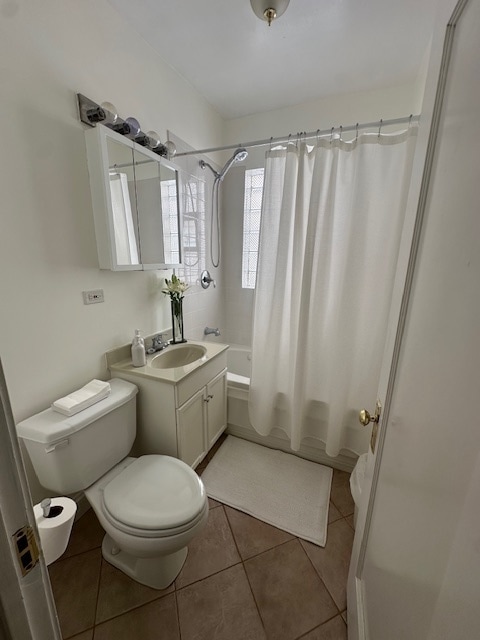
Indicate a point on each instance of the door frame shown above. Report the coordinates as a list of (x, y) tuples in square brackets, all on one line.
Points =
[(27, 606), (448, 14)]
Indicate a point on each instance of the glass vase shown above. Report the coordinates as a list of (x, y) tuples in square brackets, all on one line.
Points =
[(177, 321)]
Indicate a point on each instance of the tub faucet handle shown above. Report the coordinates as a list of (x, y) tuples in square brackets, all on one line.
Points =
[(206, 279)]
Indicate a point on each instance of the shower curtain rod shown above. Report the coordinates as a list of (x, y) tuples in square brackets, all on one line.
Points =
[(304, 135)]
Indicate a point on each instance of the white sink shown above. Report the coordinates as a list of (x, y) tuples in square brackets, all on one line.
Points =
[(177, 356)]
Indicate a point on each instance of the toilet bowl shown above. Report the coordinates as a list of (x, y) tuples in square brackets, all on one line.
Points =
[(150, 507), (357, 478)]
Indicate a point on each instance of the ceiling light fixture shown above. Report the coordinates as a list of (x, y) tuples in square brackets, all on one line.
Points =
[(269, 10)]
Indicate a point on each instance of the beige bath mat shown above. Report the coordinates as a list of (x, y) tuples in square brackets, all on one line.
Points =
[(281, 489)]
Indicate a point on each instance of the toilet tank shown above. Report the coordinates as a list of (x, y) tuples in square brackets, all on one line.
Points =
[(69, 453)]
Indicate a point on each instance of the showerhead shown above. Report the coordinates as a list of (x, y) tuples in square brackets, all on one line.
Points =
[(238, 156)]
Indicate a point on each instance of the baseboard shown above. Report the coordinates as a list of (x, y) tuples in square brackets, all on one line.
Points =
[(342, 462)]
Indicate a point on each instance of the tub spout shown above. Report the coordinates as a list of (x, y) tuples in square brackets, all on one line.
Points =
[(209, 330)]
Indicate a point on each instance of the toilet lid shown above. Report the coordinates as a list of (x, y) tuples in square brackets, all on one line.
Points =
[(155, 492)]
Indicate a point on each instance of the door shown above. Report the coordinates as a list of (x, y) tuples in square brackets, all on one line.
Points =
[(216, 408), (27, 608), (415, 571), (191, 417)]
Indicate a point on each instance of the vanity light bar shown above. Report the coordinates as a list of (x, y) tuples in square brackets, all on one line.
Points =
[(92, 113)]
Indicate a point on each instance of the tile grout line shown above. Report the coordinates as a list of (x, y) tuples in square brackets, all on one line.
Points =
[(319, 626), (178, 614), (186, 586), (246, 574), (320, 577), (138, 606), (98, 595)]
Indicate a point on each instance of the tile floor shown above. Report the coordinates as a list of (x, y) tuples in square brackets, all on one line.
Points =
[(243, 580)]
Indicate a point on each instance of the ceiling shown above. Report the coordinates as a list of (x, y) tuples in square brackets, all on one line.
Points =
[(317, 49)]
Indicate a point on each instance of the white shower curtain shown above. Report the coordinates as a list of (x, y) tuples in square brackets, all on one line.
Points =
[(331, 223)]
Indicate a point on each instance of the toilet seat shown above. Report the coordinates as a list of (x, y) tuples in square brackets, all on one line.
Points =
[(154, 496)]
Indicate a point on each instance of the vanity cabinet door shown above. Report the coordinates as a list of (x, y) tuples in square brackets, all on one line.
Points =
[(216, 407), (191, 418)]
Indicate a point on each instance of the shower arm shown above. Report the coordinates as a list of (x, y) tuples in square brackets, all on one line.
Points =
[(204, 164)]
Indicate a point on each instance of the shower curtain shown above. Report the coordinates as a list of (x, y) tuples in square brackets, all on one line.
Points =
[(332, 218)]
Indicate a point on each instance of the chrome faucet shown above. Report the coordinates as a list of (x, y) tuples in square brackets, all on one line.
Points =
[(158, 343), (209, 330)]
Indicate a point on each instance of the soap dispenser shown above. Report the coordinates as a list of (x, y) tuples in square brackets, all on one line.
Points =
[(139, 359)]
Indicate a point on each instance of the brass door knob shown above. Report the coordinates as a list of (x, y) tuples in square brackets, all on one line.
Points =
[(365, 417)]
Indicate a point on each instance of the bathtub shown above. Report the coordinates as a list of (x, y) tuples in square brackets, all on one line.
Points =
[(239, 366), (239, 361)]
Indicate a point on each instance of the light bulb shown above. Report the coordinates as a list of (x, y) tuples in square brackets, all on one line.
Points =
[(153, 139), (171, 148), (111, 113), (134, 125)]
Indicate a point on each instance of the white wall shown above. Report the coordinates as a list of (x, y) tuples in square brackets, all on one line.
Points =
[(343, 109), (50, 343)]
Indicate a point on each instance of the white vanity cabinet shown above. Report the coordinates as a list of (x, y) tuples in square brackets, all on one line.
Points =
[(210, 402), (181, 418)]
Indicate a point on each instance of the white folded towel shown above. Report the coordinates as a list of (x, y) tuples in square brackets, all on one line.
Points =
[(83, 398)]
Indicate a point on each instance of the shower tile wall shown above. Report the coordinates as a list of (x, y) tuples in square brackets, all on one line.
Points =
[(202, 307), (238, 301)]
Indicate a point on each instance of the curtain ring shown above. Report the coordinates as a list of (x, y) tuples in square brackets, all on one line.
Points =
[(380, 127), (289, 139), (410, 120), (317, 136), (356, 131), (341, 130), (271, 142), (331, 134)]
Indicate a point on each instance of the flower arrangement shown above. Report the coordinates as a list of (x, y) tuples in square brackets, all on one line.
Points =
[(175, 288)]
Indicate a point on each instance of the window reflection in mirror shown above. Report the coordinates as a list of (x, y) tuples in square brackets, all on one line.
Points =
[(193, 230), (157, 207), (122, 191), (169, 195)]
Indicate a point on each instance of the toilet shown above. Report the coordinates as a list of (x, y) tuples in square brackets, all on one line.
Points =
[(150, 507)]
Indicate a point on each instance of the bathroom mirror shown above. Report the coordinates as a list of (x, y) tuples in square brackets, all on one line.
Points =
[(135, 203), (157, 208)]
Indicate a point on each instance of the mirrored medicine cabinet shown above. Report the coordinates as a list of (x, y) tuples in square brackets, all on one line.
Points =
[(135, 197)]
